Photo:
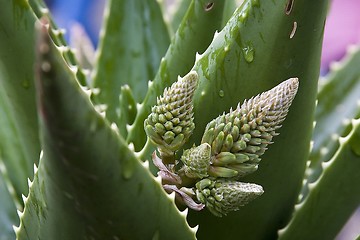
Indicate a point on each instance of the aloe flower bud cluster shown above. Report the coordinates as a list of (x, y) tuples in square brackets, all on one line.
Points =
[(223, 195), (239, 138), (170, 123), (231, 146)]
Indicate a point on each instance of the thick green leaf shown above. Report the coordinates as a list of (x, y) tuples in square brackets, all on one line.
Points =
[(333, 197), (176, 12), (8, 215), (19, 145), (57, 35), (135, 38), (194, 35), (229, 8), (263, 44), (89, 184), (338, 101)]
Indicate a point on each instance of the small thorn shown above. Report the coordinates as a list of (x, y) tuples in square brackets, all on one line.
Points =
[(60, 31), (297, 207), (96, 91), (304, 181), (29, 182), (44, 11), (128, 127), (355, 122), (324, 151), (146, 164), (346, 121), (19, 213), (139, 106), (311, 144), (62, 48), (103, 114), (15, 228), (35, 167), (325, 165), (114, 127), (301, 196), (172, 196), (216, 34), (195, 229), (334, 137), (185, 212), (150, 83), (74, 68), (131, 146), (86, 90), (312, 185), (158, 179), (24, 198), (197, 57), (342, 140)]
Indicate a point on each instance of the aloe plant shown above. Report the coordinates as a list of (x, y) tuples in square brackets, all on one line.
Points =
[(200, 132)]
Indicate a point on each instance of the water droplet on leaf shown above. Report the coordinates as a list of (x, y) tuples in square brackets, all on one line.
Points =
[(25, 84), (248, 52), (221, 93), (243, 16)]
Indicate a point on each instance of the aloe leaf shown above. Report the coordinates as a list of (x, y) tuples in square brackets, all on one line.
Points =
[(338, 101), (135, 38), (229, 8), (127, 109), (176, 14), (333, 196), (57, 35), (19, 145), (89, 184), (265, 42), (84, 49), (8, 215), (199, 22)]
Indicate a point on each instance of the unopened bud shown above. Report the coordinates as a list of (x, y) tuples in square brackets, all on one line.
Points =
[(223, 196), (249, 129), (171, 124)]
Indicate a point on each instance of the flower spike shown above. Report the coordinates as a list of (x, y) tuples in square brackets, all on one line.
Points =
[(170, 123), (239, 138)]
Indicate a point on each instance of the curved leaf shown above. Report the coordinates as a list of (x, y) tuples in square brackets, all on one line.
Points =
[(333, 196), (130, 51), (338, 101), (198, 23), (19, 145), (263, 44), (89, 183)]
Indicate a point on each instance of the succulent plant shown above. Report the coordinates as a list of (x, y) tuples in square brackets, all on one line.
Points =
[(91, 149)]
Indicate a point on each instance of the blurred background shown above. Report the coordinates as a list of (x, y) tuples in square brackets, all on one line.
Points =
[(342, 29)]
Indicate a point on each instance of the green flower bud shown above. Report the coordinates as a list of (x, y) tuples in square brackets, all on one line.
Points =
[(226, 158), (223, 196), (173, 116), (222, 172), (197, 161), (249, 129)]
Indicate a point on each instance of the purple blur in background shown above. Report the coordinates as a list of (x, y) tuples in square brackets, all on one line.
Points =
[(342, 29)]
